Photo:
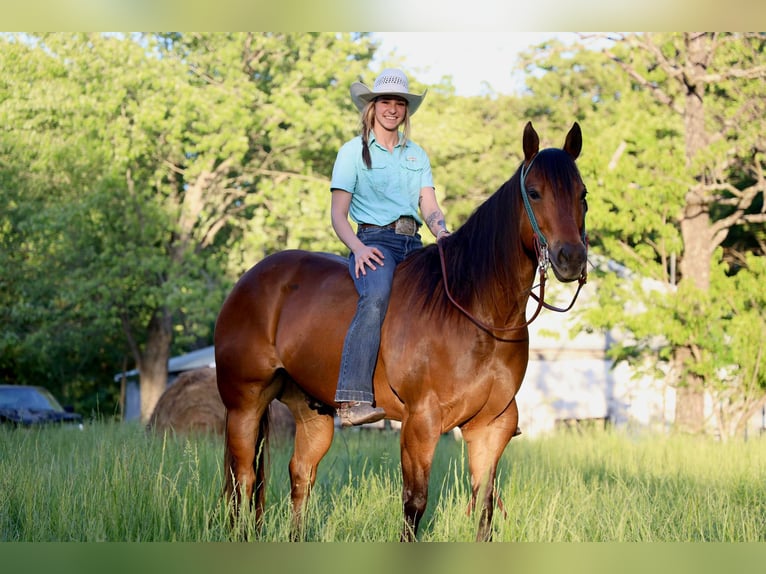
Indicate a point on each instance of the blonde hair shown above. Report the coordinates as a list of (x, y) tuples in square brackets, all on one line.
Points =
[(367, 120)]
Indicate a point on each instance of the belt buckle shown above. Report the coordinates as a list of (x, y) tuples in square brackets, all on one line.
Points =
[(406, 226)]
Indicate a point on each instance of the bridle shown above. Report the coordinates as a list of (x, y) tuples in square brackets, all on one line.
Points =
[(543, 264)]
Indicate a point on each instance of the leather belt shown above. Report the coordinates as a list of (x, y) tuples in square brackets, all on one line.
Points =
[(405, 225)]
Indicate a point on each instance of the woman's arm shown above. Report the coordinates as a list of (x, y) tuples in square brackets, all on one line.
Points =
[(432, 213)]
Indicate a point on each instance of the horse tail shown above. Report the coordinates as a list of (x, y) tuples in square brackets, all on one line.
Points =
[(261, 466)]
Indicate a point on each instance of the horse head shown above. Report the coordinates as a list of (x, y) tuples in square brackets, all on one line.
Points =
[(554, 198)]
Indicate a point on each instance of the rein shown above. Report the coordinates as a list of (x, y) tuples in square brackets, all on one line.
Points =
[(481, 324), (541, 247)]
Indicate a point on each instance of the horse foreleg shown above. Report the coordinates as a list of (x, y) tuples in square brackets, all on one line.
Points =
[(419, 437), (313, 437), (485, 447)]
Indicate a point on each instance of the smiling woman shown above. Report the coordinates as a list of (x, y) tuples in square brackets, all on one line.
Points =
[(381, 180)]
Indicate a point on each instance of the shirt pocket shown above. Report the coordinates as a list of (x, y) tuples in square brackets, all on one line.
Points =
[(377, 178), (412, 171)]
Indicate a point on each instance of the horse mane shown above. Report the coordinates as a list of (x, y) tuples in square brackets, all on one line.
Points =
[(483, 258)]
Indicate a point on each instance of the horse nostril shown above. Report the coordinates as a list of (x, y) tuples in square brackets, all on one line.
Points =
[(569, 254)]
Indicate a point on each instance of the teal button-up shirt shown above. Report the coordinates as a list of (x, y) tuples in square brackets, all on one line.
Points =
[(390, 189)]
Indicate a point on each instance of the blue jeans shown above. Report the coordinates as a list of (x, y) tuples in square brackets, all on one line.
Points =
[(362, 342)]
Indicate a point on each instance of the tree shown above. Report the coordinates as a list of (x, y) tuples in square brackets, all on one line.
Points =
[(44, 155), (713, 82), (678, 121), (172, 146)]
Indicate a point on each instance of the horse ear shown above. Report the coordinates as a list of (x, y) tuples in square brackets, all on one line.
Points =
[(573, 142), (531, 142)]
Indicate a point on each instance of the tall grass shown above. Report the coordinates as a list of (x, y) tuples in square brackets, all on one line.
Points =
[(112, 482)]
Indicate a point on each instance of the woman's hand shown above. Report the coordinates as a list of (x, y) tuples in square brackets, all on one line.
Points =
[(365, 256)]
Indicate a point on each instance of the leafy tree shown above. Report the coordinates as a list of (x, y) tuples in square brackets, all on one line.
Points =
[(43, 158), (714, 84), (678, 120), (141, 174), (170, 148)]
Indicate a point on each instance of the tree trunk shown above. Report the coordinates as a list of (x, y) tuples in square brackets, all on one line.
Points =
[(154, 362), (695, 268), (696, 228), (690, 398)]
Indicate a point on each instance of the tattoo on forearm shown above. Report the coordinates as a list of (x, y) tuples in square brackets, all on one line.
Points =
[(433, 218)]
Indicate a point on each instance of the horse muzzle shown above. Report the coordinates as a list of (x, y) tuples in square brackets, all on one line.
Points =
[(568, 260)]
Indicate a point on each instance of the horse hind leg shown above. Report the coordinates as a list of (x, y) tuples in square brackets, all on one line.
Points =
[(245, 453), (244, 467), (314, 429)]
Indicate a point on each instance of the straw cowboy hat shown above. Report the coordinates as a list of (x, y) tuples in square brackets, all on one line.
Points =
[(390, 82)]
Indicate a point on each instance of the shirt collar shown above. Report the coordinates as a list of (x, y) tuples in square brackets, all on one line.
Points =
[(374, 140)]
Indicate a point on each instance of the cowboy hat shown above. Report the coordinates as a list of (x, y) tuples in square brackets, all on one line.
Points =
[(390, 82)]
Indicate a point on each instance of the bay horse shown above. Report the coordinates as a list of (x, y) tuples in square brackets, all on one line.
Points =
[(454, 345)]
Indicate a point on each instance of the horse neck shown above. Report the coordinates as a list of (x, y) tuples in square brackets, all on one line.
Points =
[(496, 270)]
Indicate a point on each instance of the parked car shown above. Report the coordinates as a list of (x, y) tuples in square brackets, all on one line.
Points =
[(26, 406)]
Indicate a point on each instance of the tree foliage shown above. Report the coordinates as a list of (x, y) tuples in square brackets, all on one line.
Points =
[(677, 196), (151, 157), (141, 174)]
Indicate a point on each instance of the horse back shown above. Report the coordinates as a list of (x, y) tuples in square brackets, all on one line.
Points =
[(289, 313)]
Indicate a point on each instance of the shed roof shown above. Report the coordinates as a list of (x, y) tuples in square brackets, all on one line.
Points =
[(198, 359)]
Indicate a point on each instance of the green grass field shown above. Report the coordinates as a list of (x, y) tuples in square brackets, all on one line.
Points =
[(112, 482)]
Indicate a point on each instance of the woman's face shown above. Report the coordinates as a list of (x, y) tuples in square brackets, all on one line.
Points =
[(390, 112)]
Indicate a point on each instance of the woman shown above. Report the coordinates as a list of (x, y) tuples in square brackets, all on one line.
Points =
[(381, 180)]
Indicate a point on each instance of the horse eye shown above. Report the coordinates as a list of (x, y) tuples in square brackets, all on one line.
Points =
[(583, 199), (533, 193)]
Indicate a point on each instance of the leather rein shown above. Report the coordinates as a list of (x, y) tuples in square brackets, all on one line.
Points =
[(541, 248)]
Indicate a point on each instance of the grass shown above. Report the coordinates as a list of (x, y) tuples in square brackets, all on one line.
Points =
[(112, 482)]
